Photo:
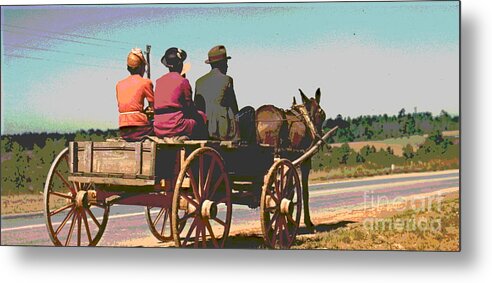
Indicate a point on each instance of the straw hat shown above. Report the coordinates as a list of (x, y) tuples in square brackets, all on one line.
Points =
[(135, 58), (216, 54)]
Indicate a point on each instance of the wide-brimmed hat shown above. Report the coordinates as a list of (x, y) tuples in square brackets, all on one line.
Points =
[(173, 56), (216, 54), (135, 58)]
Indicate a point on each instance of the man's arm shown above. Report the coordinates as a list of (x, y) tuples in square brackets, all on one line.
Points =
[(149, 93), (231, 97)]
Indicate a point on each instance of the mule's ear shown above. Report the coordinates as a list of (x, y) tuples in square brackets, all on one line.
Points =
[(294, 102), (305, 99), (317, 96)]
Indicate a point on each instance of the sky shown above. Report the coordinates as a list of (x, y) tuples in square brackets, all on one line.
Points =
[(60, 64)]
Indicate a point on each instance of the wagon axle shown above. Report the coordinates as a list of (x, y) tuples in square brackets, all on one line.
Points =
[(84, 199)]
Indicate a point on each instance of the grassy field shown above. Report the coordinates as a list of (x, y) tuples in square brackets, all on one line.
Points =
[(402, 231), (397, 144)]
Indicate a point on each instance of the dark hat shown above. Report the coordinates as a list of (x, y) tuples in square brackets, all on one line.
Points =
[(173, 57), (216, 54)]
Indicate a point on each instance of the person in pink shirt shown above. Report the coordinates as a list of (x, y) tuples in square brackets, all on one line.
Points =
[(175, 113)]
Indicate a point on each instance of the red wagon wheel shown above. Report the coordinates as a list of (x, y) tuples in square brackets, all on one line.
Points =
[(280, 205), (159, 221), (202, 206), (70, 219)]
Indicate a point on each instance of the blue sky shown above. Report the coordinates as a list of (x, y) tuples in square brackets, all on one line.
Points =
[(367, 58)]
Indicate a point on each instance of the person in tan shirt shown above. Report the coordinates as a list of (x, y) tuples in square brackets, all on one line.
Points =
[(131, 93)]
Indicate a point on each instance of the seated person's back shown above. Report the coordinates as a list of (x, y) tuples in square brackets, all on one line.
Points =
[(175, 113), (130, 94)]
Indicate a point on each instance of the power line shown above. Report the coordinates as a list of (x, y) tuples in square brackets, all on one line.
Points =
[(70, 34), (59, 51), (58, 61), (63, 39)]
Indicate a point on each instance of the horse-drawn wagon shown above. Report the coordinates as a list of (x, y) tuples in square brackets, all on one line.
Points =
[(187, 188)]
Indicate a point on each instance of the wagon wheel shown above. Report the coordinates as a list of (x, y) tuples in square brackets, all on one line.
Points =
[(159, 221), (70, 219), (202, 206), (280, 205)]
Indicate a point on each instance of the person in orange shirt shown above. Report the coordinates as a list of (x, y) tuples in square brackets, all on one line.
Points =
[(131, 92)]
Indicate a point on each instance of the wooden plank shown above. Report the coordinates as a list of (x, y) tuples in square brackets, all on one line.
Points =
[(73, 157), (88, 157), (138, 158), (112, 181), (153, 153)]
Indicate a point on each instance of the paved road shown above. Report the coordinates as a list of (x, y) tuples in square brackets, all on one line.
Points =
[(128, 222)]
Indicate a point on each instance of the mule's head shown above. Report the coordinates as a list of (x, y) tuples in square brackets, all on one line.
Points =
[(316, 115)]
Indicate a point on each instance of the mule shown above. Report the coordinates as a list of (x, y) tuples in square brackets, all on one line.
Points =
[(296, 129)]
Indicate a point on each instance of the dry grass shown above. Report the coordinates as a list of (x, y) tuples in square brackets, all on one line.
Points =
[(395, 232), (24, 203), (397, 144)]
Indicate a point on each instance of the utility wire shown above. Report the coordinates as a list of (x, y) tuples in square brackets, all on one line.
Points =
[(58, 61), (64, 39), (59, 51), (69, 34)]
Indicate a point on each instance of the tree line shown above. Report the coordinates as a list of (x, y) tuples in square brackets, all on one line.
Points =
[(26, 158), (379, 127)]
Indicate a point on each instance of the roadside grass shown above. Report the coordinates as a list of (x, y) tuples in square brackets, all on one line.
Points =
[(345, 172), (402, 231), (22, 203)]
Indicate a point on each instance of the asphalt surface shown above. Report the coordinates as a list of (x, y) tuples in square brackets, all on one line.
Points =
[(128, 222)]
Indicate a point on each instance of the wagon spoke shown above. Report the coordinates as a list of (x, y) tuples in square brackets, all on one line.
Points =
[(61, 195), (193, 184), (219, 221), (161, 212), (185, 217), (204, 236), (286, 226), (197, 235), (64, 181), (61, 209), (200, 175), (280, 189), (188, 199), (164, 221), (212, 236), (274, 234), (272, 195), (287, 188), (280, 231), (209, 179), (190, 231), (65, 220), (69, 237), (86, 224), (93, 217), (273, 219), (217, 184), (79, 229), (271, 209)]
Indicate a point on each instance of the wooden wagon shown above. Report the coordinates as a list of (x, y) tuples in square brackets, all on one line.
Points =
[(187, 188)]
